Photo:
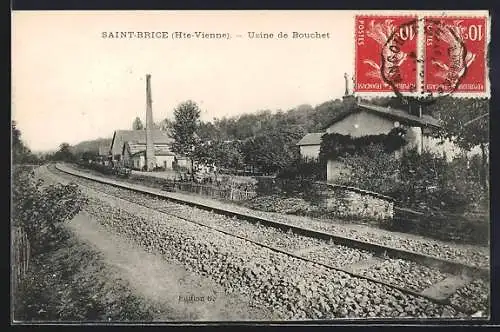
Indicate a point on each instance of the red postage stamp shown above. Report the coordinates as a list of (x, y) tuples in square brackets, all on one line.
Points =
[(385, 55), (455, 54)]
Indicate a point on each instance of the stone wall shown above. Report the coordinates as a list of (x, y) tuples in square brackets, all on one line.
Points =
[(331, 199), (346, 201)]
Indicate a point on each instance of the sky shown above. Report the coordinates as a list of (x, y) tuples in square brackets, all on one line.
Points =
[(69, 84)]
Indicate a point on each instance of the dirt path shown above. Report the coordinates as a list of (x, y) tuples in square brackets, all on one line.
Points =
[(165, 286)]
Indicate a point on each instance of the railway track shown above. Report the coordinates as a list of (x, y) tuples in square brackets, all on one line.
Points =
[(411, 273)]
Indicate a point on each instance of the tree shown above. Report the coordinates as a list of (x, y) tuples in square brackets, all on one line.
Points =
[(222, 154), (209, 132), (184, 127), (465, 121), (137, 125), (64, 153), (165, 125), (89, 155), (20, 152)]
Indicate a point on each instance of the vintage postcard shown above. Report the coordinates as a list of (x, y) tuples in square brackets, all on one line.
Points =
[(250, 166)]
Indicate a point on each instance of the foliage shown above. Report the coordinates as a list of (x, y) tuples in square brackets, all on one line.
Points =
[(304, 169), (371, 168), (184, 128), (273, 151), (465, 122), (106, 170), (423, 181), (64, 153), (88, 155), (265, 140), (39, 210), (91, 146), (21, 154), (137, 124), (338, 145), (165, 125), (436, 183), (223, 154), (455, 115), (72, 283)]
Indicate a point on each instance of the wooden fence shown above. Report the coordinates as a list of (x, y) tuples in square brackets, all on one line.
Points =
[(21, 255), (227, 193)]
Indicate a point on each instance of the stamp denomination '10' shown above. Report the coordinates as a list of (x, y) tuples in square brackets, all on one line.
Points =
[(421, 55), (455, 54), (386, 53)]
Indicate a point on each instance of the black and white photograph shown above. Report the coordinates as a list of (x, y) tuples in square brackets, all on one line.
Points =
[(250, 166)]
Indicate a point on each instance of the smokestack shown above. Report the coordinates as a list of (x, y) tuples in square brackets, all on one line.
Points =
[(150, 150)]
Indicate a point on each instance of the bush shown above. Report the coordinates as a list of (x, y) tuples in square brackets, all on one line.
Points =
[(106, 170), (422, 181), (371, 169), (304, 169), (335, 145), (39, 210)]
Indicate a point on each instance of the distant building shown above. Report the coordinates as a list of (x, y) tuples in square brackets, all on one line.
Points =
[(134, 155), (362, 119), (310, 144), (103, 155), (137, 139)]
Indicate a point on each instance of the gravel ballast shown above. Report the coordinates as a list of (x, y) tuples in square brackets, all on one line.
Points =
[(337, 256), (405, 274), (472, 255), (297, 289), (271, 278)]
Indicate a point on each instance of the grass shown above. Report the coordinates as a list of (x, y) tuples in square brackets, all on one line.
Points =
[(70, 283)]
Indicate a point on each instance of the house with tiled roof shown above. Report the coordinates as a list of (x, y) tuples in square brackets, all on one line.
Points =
[(129, 145), (362, 119), (134, 155), (137, 136)]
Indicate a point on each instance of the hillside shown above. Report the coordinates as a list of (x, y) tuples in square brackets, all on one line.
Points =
[(91, 145)]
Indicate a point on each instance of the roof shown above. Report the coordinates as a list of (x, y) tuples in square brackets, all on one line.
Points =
[(311, 139), (137, 136), (392, 113), (137, 148)]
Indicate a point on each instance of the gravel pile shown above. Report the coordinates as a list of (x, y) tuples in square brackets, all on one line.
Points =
[(294, 288), (472, 255), (405, 274), (473, 297), (337, 255)]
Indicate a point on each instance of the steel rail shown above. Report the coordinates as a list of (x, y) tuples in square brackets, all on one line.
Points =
[(440, 301), (444, 265)]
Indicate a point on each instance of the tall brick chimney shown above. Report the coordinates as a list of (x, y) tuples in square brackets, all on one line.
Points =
[(150, 150)]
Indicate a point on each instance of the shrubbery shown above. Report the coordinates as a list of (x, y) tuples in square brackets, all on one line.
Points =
[(39, 210), (37, 214), (107, 170), (423, 181), (336, 145), (304, 169)]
